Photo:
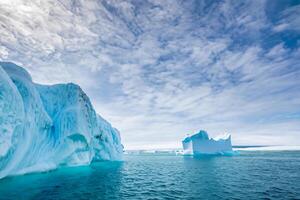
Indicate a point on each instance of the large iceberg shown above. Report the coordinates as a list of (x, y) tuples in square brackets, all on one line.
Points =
[(201, 144), (43, 127)]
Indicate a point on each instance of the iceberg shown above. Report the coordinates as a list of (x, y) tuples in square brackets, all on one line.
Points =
[(43, 127), (201, 144)]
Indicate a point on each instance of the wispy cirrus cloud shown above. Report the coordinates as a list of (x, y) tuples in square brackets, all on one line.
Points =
[(160, 69)]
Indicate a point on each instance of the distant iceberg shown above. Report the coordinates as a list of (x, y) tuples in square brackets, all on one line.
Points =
[(201, 144), (43, 127)]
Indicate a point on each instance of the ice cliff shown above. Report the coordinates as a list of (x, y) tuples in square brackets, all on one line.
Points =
[(43, 127), (200, 143)]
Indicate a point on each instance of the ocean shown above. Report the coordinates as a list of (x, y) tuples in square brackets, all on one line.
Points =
[(250, 175)]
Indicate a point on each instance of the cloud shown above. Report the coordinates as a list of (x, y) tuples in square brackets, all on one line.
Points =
[(289, 19), (160, 69), (3, 52)]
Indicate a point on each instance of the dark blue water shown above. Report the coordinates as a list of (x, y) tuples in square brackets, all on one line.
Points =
[(251, 175)]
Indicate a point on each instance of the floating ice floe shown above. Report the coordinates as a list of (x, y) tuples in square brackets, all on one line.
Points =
[(201, 144)]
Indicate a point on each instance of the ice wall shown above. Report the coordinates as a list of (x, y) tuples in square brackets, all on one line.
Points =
[(43, 127)]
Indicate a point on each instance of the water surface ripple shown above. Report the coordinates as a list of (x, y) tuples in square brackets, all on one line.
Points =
[(251, 175)]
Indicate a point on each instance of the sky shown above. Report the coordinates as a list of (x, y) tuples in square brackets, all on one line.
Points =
[(161, 69)]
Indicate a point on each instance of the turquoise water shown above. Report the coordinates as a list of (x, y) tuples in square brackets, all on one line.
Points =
[(251, 175)]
